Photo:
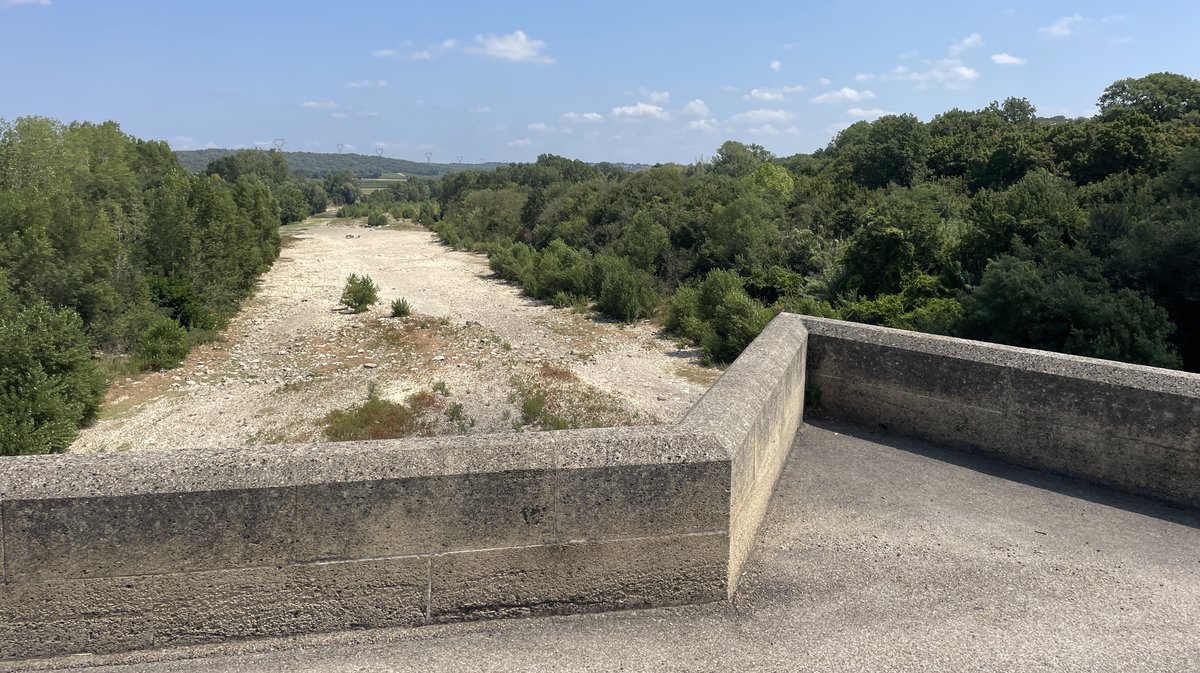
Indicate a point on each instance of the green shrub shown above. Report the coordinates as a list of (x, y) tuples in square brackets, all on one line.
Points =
[(360, 293), (49, 383), (401, 308), (163, 345), (626, 293), (736, 321), (569, 300), (377, 418), (376, 219), (685, 304)]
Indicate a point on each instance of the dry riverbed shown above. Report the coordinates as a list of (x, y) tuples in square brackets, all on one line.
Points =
[(480, 346)]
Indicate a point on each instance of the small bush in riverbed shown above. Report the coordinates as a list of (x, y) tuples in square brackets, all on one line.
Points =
[(377, 418), (359, 293), (401, 308)]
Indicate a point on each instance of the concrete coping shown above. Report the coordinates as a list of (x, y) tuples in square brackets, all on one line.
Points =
[(1059, 364)]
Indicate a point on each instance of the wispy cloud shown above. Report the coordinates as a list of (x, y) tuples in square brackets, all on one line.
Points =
[(659, 96), (825, 81), (385, 53), (367, 84), (319, 104), (872, 113), (1063, 27), (1006, 58), (542, 127), (950, 73), (696, 108), (516, 46), (520, 142), (702, 125), (583, 116), (640, 110), (762, 116), (845, 94), (864, 77), (5, 4), (775, 94), (959, 46), (775, 65)]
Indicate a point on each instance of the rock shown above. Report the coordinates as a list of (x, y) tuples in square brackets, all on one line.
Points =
[(370, 365), (439, 358)]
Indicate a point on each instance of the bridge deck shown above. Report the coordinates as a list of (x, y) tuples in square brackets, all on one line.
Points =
[(878, 553)]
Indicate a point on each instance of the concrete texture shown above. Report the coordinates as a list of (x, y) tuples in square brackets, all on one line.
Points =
[(878, 553), (754, 410), (343, 539), (1130, 427)]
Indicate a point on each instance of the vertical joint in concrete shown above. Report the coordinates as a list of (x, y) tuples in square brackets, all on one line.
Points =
[(428, 590)]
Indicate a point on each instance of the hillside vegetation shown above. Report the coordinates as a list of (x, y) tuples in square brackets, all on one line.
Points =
[(1080, 236), (319, 164), (114, 258)]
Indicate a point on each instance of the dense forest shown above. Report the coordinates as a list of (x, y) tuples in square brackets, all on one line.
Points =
[(115, 258), (1080, 236)]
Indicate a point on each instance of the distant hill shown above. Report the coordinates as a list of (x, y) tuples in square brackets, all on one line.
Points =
[(315, 164)]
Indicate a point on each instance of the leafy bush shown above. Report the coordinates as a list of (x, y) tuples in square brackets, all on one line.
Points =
[(684, 306), (627, 294), (360, 293), (376, 219), (401, 308), (736, 321), (49, 384), (163, 345)]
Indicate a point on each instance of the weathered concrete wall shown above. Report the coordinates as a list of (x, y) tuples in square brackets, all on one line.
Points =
[(115, 552), (754, 410), (1133, 428), (103, 553)]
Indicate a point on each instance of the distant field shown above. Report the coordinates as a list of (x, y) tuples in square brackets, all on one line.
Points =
[(369, 185)]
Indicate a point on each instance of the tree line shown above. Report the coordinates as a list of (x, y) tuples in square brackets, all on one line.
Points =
[(114, 258), (1079, 236)]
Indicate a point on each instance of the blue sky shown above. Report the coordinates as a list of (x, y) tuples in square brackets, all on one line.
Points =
[(601, 81)]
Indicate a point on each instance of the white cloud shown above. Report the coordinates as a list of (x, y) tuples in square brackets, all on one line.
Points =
[(423, 55), (765, 130), (658, 96), (1124, 39), (515, 46), (583, 116), (825, 81), (702, 125), (367, 113), (1006, 58), (520, 142), (844, 94), (864, 77), (775, 65), (449, 44), (640, 110), (1063, 27), (764, 94), (542, 127), (385, 53), (872, 113), (972, 40), (950, 73), (339, 115), (367, 84), (320, 104), (696, 108), (761, 116), (15, 3), (482, 109)]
